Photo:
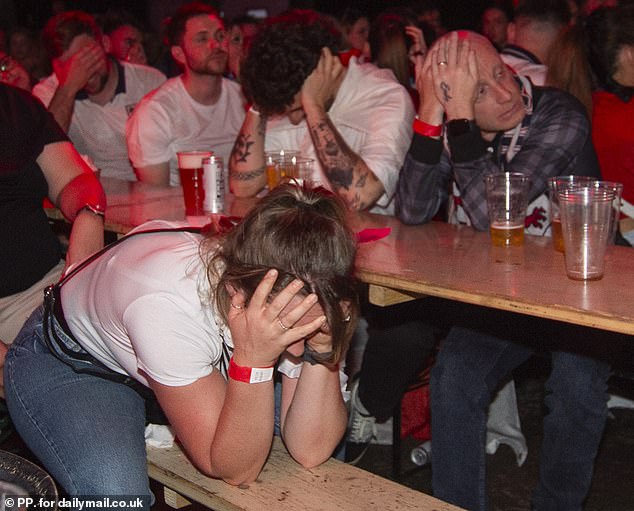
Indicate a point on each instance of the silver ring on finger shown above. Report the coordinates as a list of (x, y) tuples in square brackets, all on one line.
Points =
[(284, 327), (442, 63), (236, 306)]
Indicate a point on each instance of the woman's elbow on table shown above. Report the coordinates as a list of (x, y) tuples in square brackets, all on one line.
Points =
[(310, 457), (236, 469), (310, 460), (236, 478)]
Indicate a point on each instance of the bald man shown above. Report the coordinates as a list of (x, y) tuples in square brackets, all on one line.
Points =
[(475, 118)]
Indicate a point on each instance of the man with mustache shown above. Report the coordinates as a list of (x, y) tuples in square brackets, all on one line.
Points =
[(196, 110), (90, 94)]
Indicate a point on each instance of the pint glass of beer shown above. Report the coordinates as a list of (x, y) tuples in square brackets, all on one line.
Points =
[(507, 200), (279, 164), (190, 169)]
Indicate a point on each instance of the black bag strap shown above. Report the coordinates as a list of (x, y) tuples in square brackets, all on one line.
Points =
[(52, 299), (97, 255), (52, 308)]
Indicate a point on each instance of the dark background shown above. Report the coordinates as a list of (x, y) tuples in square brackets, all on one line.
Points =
[(34, 13)]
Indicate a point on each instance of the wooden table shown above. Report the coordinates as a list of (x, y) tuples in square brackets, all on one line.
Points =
[(131, 203), (458, 263), (436, 259)]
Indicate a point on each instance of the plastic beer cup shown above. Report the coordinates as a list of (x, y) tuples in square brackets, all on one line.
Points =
[(617, 188), (278, 165), (507, 200), (555, 185), (190, 169), (586, 219)]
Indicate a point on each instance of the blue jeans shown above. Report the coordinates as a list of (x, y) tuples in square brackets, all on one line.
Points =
[(468, 369), (87, 431)]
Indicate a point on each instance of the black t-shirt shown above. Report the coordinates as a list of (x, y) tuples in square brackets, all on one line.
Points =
[(28, 247)]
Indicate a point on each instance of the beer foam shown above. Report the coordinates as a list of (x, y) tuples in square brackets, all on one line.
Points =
[(192, 159), (505, 226)]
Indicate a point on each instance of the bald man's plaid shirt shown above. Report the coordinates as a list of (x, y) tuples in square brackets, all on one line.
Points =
[(557, 142)]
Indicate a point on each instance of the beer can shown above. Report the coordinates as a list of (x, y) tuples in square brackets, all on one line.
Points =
[(214, 182), (421, 454)]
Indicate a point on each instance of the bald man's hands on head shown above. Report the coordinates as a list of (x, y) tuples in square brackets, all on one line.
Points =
[(455, 75)]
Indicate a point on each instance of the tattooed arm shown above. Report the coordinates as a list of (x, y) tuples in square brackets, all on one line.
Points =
[(348, 174), (246, 163)]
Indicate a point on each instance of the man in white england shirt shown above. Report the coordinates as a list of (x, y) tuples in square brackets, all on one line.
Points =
[(198, 110), (90, 94)]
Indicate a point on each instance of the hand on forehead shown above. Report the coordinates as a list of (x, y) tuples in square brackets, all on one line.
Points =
[(460, 40)]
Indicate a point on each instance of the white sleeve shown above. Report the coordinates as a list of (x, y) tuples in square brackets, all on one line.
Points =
[(45, 90), (169, 345), (389, 138), (147, 135)]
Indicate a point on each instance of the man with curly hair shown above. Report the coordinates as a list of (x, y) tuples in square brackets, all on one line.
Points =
[(355, 121)]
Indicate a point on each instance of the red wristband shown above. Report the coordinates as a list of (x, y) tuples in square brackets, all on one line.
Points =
[(82, 191), (249, 374), (427, 130)]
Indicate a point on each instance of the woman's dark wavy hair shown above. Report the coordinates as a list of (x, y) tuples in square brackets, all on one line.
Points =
[(350, 16), (389, 43), (303, 233), (283, 55)]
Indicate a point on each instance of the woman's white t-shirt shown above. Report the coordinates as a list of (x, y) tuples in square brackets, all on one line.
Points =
[(142, 307)]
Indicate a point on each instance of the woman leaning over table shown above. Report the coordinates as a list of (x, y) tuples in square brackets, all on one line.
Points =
[(168, 309)]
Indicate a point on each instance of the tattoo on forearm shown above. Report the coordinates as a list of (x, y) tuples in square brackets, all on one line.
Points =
[(262, 125), (445, 91), (340, 177), (241, 149), (246, 175), (336, 157), (331, 148)]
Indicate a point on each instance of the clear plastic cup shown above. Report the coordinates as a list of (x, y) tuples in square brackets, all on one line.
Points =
[(586, 219), (617, 188), (507, 200), (555, 184), (305, 168)]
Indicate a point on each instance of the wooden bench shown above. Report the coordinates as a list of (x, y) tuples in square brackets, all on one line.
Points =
[(284, 485)]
